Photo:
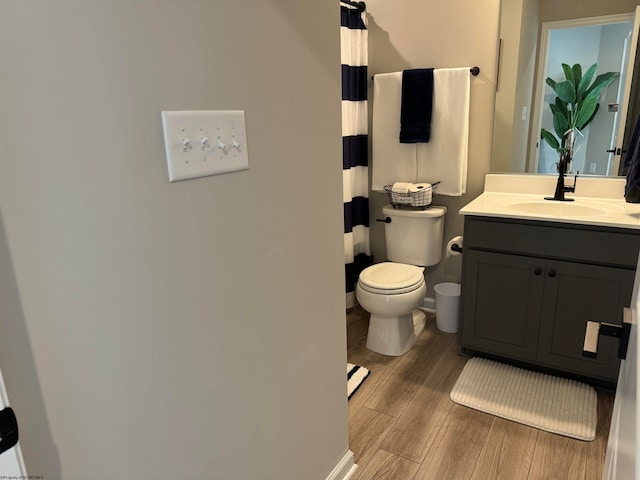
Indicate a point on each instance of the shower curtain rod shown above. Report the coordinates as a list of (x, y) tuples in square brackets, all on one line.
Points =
[(360, 6)]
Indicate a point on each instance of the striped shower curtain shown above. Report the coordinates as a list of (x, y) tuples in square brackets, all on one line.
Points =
[(355, 176)]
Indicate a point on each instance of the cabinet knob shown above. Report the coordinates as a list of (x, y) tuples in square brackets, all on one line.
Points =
[(551, 273), (537, 271)]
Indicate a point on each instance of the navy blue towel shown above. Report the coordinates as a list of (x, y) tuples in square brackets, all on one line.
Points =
[(632, 167), (416, 105)]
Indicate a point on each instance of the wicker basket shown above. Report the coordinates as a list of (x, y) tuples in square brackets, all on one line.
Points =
[(421, 198)]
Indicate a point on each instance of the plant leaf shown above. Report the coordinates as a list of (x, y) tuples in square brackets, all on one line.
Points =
[(586, 112), (585, 81), (550, 139), (568, 73), (566, 91), (600, 83), (577, 73), (560, 124), (551, 82), (562, 106), (576, 102)]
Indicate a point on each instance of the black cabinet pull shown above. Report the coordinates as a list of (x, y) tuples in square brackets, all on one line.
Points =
[(537, 271), (552, 273)]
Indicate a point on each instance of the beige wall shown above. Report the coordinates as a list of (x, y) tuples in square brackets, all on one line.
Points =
[(552, 10), (518, 55), (512, 23), (157, 330), (418, 34)]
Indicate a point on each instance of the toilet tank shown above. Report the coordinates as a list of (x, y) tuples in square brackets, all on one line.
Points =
[(414, 236)]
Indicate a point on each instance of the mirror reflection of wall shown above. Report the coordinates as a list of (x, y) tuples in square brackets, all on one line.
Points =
[(515, 113), (518, 55)]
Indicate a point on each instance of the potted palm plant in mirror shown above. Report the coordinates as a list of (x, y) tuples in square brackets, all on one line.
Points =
[(575, 106)]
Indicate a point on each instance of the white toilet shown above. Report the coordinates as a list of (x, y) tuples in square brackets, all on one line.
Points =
[(392, 291)]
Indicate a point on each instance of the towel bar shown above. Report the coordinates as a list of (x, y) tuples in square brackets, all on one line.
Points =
[(360, 6), (475, 71)]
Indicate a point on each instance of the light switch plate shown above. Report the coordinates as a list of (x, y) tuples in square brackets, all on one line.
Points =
[(200, 143)]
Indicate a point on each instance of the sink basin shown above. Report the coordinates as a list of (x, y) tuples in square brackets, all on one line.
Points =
[(558, 209), (581, 208), (599, 201)]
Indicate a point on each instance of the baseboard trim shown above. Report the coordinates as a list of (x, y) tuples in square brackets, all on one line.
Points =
[(345, 469)]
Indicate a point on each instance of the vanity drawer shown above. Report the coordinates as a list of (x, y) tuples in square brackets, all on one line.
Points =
[(605, 246)]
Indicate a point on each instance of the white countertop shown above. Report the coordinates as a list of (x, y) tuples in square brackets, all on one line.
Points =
[(597, 201)]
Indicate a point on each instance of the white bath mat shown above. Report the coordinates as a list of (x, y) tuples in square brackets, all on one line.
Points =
[(355, 376), (553, 404)]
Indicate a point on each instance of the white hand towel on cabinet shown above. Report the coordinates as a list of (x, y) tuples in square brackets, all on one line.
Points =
[(445, 157), (391, 161)]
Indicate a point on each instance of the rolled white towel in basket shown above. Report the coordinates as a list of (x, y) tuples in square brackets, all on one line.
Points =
[(401, 187), (400, 193)]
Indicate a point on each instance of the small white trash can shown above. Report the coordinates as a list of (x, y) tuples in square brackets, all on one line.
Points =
[(448, 306)]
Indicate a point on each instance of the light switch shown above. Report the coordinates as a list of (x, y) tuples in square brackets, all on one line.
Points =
[(201, 143)]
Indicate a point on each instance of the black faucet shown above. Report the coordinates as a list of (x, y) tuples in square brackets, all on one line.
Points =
[(561, 188)]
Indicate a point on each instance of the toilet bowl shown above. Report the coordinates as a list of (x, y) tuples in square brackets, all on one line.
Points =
[(391, 292)]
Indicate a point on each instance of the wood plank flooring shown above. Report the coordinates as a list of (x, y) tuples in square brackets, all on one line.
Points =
[(403, 426)]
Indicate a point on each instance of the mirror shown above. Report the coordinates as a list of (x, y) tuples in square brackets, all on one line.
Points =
[(520, 82)]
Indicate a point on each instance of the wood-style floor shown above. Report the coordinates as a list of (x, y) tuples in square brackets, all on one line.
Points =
[(403, 426)]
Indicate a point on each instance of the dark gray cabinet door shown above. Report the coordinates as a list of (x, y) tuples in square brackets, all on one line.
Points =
[(521, 302), (575, 293), (502, 297)]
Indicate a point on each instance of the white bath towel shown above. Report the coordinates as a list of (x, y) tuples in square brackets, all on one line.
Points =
[(391, 161), (445, 157)]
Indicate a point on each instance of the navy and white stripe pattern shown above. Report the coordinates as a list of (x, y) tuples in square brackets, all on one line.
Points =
[(355, 170), (355, 376)]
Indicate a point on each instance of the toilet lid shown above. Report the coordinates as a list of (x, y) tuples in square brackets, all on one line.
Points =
[(391, 278)]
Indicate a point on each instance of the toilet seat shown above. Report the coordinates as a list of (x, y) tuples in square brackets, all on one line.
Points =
[(390, 278)]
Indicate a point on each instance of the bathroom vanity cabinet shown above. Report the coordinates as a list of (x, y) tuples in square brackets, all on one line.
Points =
[(529, 288)]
